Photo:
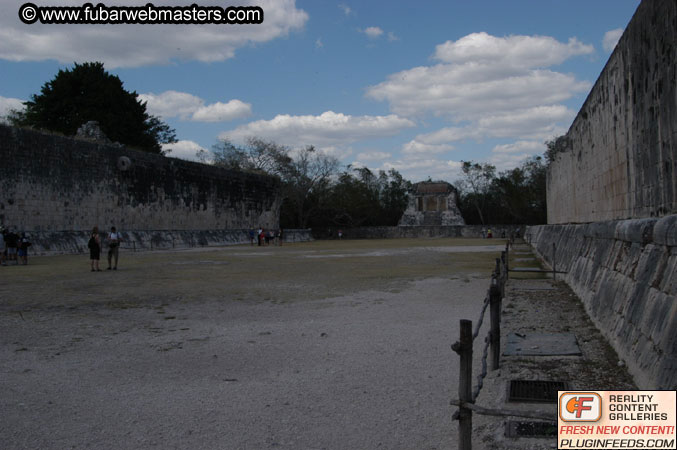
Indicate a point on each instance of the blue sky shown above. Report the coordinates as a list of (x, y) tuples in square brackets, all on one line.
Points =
[(417, 87)]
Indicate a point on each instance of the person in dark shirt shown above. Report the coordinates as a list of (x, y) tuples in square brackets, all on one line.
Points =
[(94, 245), (23, 245), (11, 241)]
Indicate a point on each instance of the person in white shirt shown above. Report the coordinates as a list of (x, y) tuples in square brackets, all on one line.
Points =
[(114, 240)]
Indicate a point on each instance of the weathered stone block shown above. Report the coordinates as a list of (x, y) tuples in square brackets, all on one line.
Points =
[(665, 231), (629, 289)]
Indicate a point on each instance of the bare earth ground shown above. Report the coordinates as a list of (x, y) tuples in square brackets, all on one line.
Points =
[(322, 345)]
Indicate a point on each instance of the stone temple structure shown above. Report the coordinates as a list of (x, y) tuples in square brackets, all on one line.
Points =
[(432, 204)]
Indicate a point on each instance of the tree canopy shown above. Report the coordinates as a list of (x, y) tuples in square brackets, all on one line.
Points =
[(516, 196), (87, 92)]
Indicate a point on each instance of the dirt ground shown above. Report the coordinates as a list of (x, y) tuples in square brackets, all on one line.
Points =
[(320, 345)]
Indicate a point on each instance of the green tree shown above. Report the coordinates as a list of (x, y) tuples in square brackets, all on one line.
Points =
[(306, 181), (362, 198), (257, 155), (476, 184), (87, 92), (306, 174), (520, 193)]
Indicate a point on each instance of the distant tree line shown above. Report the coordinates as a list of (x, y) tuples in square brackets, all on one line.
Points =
[(516, 196), (316, 192), (319, 194)]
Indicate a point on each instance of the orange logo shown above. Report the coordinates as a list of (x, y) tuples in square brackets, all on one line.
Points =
[(577, 404), (580, 407)]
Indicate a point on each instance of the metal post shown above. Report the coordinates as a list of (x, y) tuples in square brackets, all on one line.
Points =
[(495, 332), (464, 350)]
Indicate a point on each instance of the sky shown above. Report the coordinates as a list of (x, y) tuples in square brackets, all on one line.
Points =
[(412, 86)]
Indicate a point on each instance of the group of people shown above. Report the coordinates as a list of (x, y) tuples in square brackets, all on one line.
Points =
[(13, 247), (112, 240), (265, 237)]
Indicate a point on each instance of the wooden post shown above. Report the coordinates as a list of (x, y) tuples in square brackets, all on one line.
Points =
[(495, 331), (464, 350), (554, 271), (507, 262)]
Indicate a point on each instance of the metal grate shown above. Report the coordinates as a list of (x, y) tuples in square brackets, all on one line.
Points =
[(535, 390), (517, 429)]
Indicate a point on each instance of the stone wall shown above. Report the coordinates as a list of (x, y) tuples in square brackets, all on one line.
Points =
[(73, 242), (457, 231), (51, 183), (625, 272), (622, 157)]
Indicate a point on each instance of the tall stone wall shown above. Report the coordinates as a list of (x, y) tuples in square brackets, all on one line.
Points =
[(622, 157), (51, 183), (625, 272)]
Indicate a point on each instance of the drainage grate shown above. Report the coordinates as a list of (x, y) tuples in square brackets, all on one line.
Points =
[(535, 390), (515, 429)]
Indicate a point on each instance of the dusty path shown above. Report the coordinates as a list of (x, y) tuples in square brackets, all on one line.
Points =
[(336, 345)]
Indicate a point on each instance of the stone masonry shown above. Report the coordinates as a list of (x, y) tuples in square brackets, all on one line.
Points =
[(51, 183), (432, 204), (622, 159)]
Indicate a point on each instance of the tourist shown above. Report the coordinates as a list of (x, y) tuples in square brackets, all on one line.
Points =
[(94, 245), (489, 234), (251, 236), (11, 241), (23, 245), (279, 237), (259, 235), (3, 249), (114, 240), (340, 234)]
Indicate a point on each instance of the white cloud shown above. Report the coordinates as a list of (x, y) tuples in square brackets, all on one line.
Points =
[(482, 74), (416, 147), (183, 150), (373, 156), (419, 169), (392, 37), (373, 32), (326, 130), (318, 43), (508, 156), (487, 87), (9, 104), (141, 45), (190, 107), (346, 9), (611, 38), (469, 91), (533, 147), (221, 112), (522, 51)]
